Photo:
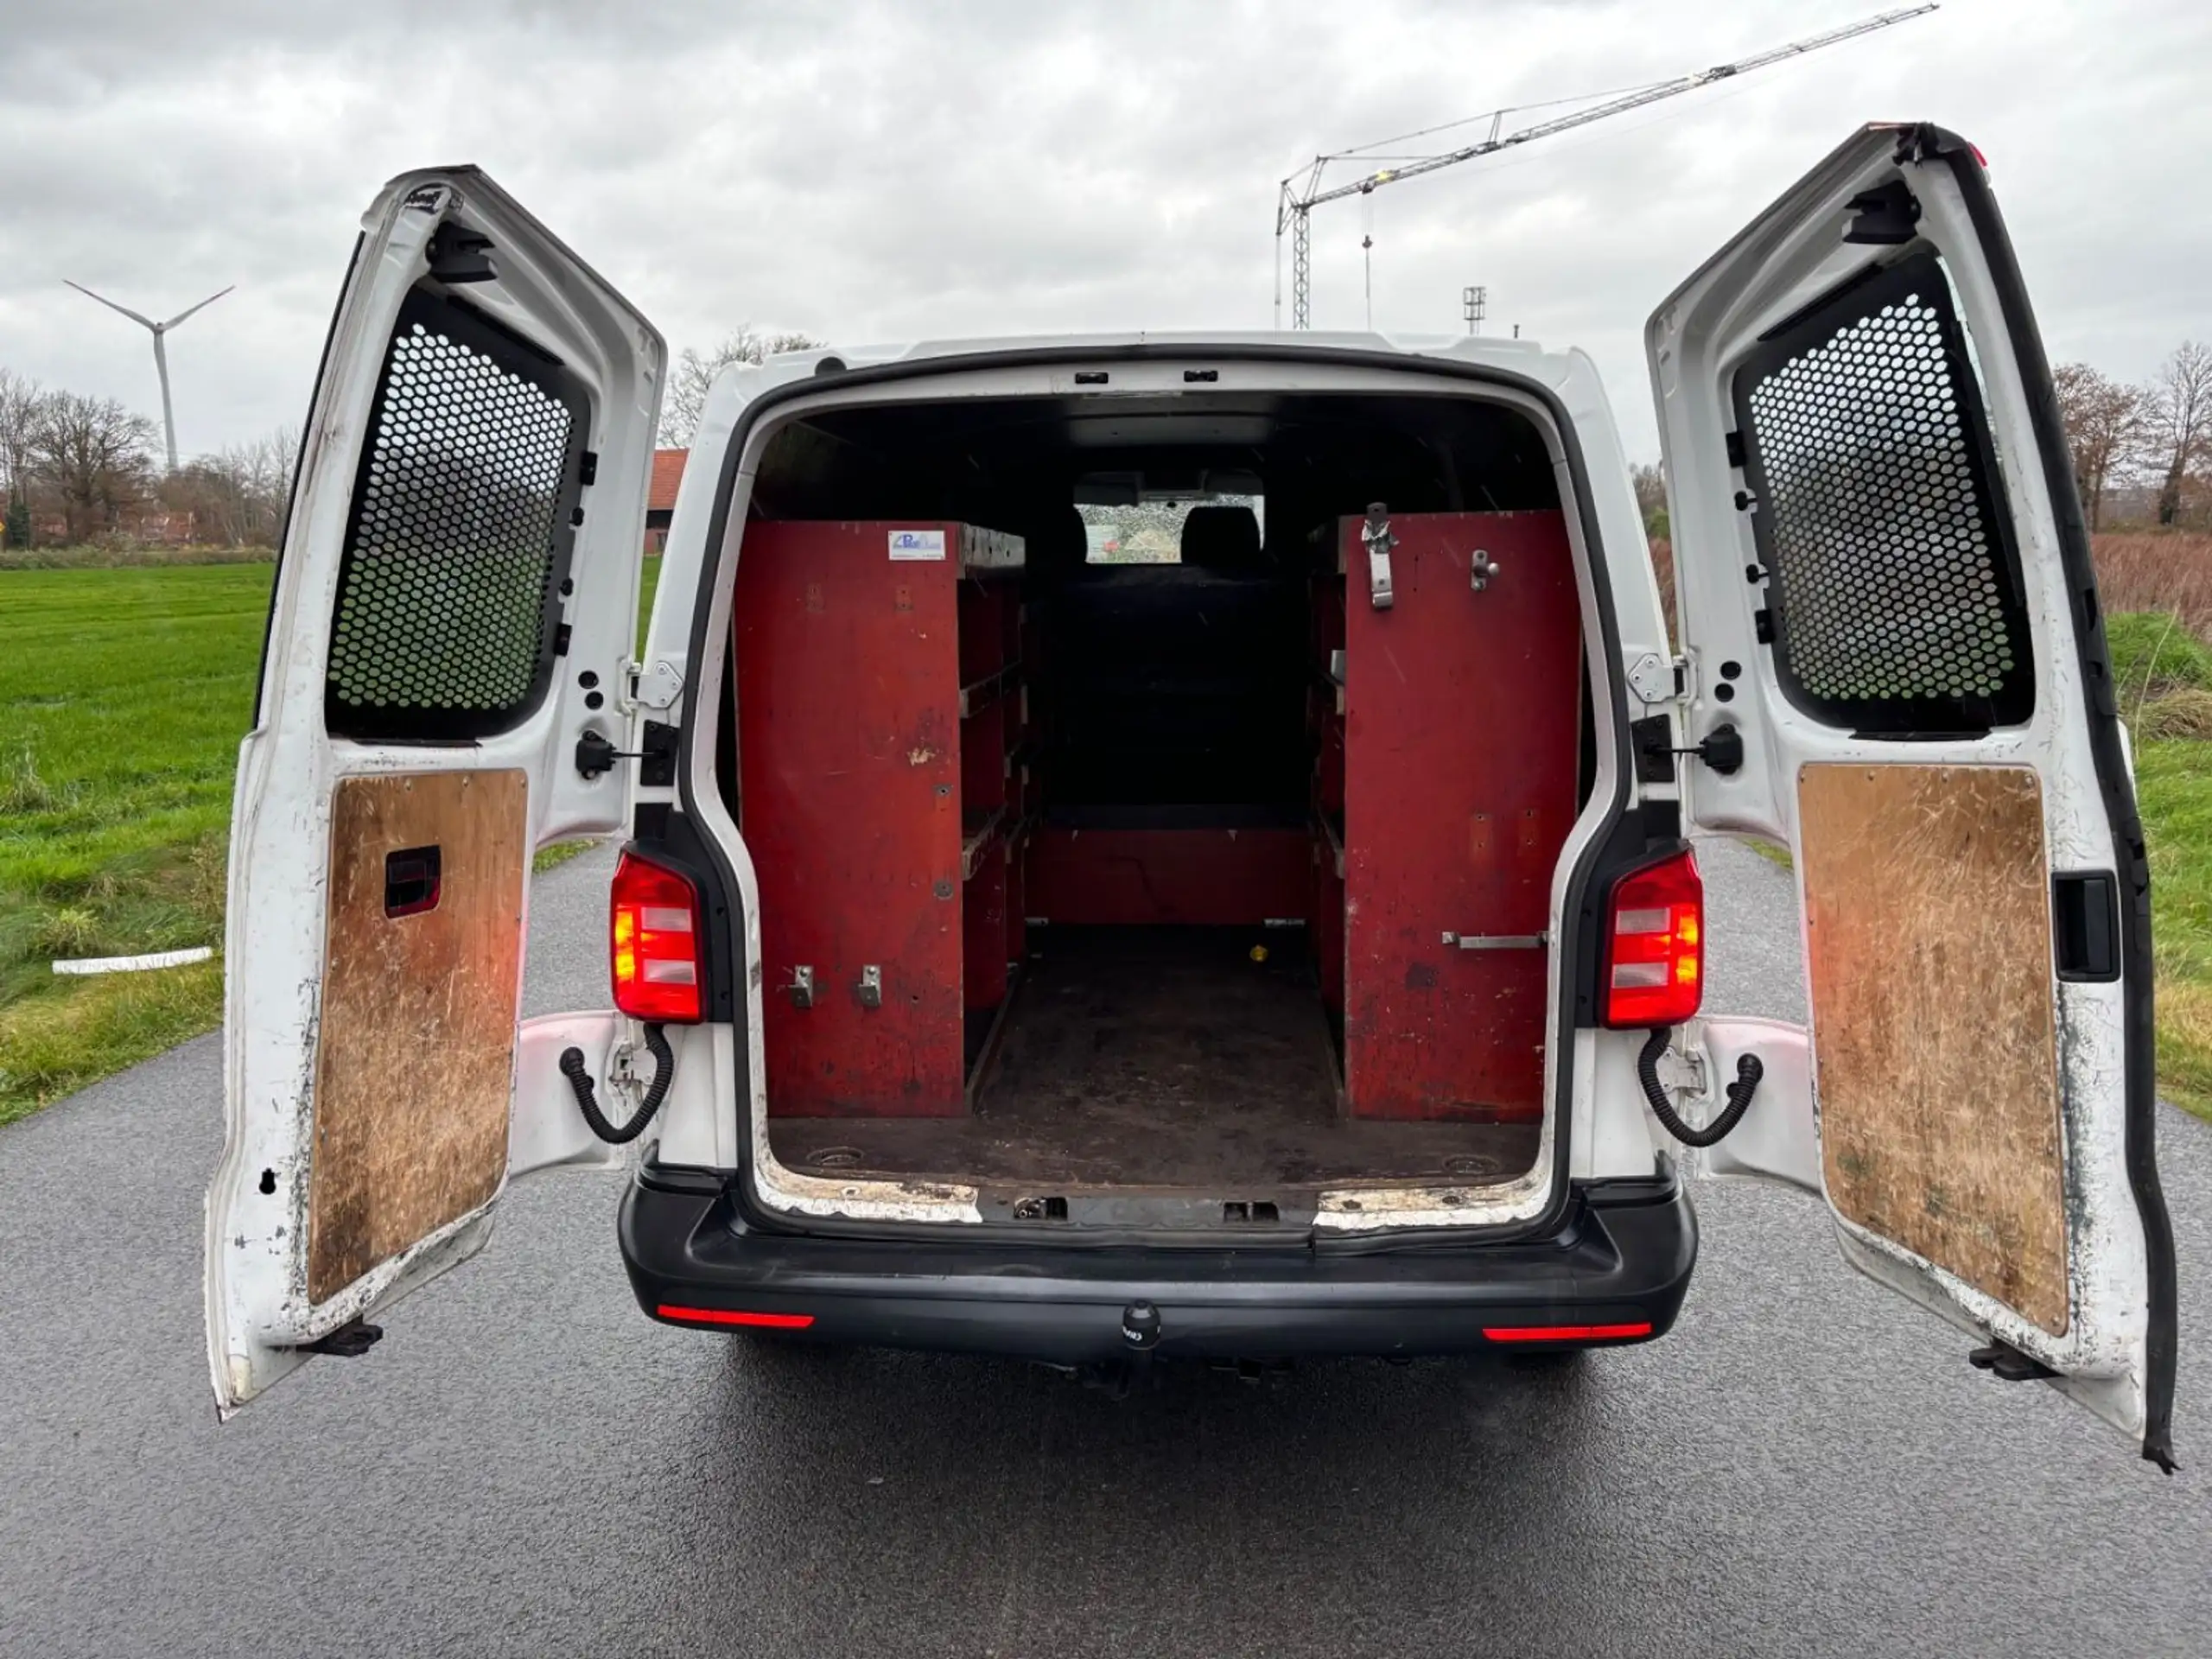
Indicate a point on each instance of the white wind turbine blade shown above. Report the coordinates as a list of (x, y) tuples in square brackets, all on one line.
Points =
[(188, 311), (145, 323)]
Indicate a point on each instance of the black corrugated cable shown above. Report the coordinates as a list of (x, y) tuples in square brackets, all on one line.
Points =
[(572, 1067), (1749, 1071)]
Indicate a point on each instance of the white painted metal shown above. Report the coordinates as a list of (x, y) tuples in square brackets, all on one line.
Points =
[(1786, 258), (258, 1313), (1615, 1142)]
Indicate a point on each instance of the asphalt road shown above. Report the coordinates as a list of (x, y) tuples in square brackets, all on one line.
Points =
[(526, 1465)]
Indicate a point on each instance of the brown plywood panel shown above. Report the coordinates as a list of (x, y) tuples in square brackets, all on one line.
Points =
[(1928, 908), (416, 1051)]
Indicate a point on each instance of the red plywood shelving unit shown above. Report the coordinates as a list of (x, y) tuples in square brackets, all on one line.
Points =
[(880, 711), (1459, 725)]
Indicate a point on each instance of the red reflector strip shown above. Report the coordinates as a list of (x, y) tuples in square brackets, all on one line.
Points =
[(728, 1316), (1565, 1332)]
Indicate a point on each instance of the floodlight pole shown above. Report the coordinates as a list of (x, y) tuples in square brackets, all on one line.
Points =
[(159, 330)]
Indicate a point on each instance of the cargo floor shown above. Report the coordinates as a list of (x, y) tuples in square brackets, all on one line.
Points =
[(1160, 1057)]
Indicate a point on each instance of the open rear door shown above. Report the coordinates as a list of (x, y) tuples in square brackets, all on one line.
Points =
[(1885, 591), (454, 610)]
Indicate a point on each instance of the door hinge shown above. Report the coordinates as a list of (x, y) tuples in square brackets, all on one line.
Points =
[(657, 687), (1654, 679), (1681, 1068), (1374, 535)]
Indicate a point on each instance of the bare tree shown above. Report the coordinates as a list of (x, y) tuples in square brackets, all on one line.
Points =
[(20, 401), (2181, 416), (237, 495), (2106, 425), (1650, 497), (95, 455), (694, 374)]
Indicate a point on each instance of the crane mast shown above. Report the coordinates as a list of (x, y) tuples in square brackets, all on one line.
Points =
[(1302, 193)]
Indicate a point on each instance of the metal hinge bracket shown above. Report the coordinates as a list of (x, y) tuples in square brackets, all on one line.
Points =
[(1681, 1068), (1374, 535), (655, 687)]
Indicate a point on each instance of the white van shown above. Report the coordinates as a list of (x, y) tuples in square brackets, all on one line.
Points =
[(1293, 949)]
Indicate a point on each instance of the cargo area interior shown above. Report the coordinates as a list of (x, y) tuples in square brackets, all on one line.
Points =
[(1110, 834)]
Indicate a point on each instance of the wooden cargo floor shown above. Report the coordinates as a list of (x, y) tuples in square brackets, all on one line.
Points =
[(1160, 1057)]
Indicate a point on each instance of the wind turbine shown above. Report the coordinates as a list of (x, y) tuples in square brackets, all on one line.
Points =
[(161, 357)]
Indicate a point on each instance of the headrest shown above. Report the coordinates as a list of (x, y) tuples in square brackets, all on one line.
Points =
[(1057, 548), (1223, 538)]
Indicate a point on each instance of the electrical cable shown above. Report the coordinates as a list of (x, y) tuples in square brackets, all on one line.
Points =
[(1749, 1071), (572, 1067)]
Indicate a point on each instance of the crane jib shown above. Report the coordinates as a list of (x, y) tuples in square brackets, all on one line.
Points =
[(1301, 193)]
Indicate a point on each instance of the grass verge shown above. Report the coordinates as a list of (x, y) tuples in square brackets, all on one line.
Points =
[(118, 740)]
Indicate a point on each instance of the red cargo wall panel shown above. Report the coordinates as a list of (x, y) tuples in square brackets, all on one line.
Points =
[(1461, 748), (848, 745), (1187, 878)]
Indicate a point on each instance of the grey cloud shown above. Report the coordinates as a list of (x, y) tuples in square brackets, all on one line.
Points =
[(882, 171)]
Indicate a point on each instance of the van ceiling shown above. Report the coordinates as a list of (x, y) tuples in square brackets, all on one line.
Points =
[(1011, 462)]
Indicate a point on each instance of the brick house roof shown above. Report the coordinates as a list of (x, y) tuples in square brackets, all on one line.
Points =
[(668, 473)]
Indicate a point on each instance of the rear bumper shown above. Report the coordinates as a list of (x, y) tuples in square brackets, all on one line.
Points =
[(1620, 1262)]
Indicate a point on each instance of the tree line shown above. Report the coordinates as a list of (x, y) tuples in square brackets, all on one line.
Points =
[(2152, 442), (76, 469), (2142, 454)]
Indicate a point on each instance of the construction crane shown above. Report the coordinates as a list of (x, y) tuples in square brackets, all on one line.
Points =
[(1302, 192)]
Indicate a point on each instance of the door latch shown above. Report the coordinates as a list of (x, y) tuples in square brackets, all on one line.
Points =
[(1374, 535), (801, 986), (870, 989), (1480, 568)]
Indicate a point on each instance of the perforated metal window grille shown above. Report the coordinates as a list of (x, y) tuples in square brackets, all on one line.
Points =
[(1896, 599), (460, 533)]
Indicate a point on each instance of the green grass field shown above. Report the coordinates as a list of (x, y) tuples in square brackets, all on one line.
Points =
[(116, 760), (115, 795)]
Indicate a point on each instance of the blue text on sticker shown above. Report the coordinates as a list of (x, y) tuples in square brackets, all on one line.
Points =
[(917, 543)]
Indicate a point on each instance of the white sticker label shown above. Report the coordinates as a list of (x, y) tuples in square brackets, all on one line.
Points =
[(917, 543)]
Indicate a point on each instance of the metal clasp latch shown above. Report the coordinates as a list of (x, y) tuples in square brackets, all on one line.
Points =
[(1374, 535), (801, 986), (1480, 568), (870, 989)]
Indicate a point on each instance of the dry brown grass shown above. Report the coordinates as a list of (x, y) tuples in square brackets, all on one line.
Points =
[(2185, 713), (2168, 570)]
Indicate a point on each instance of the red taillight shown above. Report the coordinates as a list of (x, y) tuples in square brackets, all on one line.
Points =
[(1655, 944), (1568, 1332), (654, 942), (730, 1316)]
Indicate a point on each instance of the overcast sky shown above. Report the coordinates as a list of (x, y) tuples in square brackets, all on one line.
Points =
[(873, 173)]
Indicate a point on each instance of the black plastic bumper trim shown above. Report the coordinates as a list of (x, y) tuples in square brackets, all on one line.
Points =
[(1623, 1257)]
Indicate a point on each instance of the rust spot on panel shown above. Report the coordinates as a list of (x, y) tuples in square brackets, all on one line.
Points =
[(1928, 908), (416, 1041)]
